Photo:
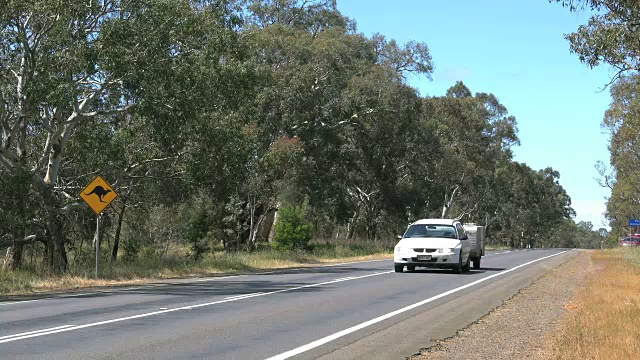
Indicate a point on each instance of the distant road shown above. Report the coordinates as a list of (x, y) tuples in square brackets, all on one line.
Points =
[(359, 310)]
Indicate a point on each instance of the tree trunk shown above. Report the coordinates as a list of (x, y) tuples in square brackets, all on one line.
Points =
[(252, 224), (351, 226), (257, 227), (13, 257), (62, 262), (448, 201), (272, 231), (96, 234), (116, 238)]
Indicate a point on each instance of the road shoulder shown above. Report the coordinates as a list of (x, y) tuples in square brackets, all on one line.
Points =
[(522, 326), (423, 327)]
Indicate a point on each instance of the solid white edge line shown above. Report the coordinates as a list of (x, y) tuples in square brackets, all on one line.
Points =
[(324, 340), (34, 332), (18, 302), (236, 297), (45, 332)]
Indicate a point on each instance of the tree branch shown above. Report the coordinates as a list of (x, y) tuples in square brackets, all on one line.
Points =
[(107, 112), (144, 162), (7, 240)]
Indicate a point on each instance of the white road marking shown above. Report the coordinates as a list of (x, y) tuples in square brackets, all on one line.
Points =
[(319, 342), (75, 295), (46, 332), (34, 332), (199, 280), (353, 262), (244, 296), (18, 302), (214, 278)]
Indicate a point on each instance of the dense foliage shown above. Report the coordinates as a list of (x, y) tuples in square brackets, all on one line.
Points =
[(209, 116), (611, 37)]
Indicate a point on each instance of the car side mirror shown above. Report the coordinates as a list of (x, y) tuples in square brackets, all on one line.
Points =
[(464, 238), (399, 237)]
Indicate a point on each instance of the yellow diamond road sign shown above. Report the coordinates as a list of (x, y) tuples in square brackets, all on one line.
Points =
[(98, 194)]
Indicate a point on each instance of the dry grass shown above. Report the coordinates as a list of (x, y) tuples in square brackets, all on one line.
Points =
[(603, 320), (147, 270)]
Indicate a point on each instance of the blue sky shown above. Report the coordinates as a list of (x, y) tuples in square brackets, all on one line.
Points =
[(515, 50)]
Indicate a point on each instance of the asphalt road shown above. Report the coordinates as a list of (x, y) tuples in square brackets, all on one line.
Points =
[(356, 310)]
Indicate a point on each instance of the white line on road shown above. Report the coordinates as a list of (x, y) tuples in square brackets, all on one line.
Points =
[(141, 287), (324, 340), (34, 332), (213, 278), (46, 332), (18, 302), (237, 297)]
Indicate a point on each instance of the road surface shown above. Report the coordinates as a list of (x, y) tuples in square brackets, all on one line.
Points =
[(354, 310)]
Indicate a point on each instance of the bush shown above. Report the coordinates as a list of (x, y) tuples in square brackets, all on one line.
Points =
[(131, 249), (292, 230), (195, 217)]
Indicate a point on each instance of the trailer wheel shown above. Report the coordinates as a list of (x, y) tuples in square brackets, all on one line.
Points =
[(411, 268), (476, 263)]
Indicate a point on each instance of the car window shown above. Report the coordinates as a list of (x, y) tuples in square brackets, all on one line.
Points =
[(431, 231)]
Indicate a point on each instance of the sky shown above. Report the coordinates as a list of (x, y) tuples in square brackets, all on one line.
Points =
[(516, 50)]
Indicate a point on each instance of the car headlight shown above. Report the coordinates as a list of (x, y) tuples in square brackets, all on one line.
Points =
[(452, 250), (440, 250), (398, 249)]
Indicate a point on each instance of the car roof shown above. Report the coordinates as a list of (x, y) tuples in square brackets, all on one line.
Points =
[(436, 221)]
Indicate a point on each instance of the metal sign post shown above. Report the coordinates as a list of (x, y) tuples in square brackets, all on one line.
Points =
[(633, 223), (97, 241), (98, 195)]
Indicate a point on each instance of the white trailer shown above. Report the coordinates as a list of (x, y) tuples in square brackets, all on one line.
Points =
[(476, 239)]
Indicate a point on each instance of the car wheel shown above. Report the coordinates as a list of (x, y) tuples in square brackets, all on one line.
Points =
[(476, 263), (411, 268), (398, 268), (458, 268), (467, 265)]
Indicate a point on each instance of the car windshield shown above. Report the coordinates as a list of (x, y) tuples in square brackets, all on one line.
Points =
[(431, 231)]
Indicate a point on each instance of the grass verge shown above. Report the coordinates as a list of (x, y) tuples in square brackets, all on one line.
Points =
[(604, 317), (153, 268)]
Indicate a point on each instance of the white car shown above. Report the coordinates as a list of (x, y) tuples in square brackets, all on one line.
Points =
[(433, 243)]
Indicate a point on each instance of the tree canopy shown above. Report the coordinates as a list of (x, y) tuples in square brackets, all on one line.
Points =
[(208, 116)]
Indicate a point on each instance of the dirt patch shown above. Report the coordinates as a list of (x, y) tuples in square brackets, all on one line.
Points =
[(521, 328)]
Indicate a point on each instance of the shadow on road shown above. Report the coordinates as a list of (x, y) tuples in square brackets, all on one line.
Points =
[(447, 271)]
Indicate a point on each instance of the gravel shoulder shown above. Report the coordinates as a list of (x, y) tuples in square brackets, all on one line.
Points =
[(524, 326)]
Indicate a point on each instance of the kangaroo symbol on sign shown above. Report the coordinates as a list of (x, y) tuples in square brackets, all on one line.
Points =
[(100, 192)]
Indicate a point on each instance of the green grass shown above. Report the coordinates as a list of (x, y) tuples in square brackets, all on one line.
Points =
[(152, 267)]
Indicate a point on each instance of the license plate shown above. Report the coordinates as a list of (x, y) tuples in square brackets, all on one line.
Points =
[(424, 257)]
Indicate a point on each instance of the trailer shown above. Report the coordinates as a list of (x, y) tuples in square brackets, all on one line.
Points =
[(476, 239)]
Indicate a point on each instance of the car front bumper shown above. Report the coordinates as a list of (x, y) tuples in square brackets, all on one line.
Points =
[(437, 259)]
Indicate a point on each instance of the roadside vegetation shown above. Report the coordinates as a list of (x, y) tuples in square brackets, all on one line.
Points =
[(604, 317), (606, 313), (231, 126)]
